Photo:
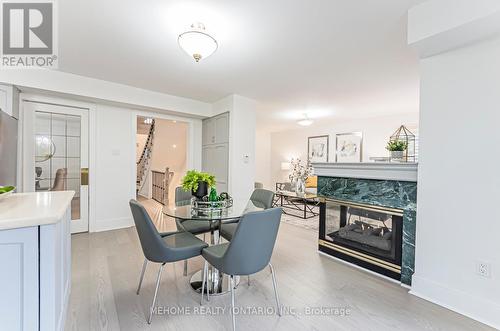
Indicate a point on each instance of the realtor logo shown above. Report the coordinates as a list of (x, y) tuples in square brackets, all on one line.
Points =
[(28, 32)]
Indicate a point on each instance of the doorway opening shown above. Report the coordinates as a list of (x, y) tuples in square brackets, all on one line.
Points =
[(161, 158)]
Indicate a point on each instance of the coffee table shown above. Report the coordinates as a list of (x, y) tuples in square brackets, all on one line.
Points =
[(305, 205)]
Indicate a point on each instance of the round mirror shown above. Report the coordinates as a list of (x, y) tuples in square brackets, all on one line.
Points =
[(44, 148)]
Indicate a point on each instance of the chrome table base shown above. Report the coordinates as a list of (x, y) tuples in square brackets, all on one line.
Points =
[(215, 288)]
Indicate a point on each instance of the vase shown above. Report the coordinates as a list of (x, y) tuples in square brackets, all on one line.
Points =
[(397, 155), (201, 191), (300, 186)]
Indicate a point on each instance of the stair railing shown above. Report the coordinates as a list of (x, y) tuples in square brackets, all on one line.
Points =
[(161, 184), (143, 163)]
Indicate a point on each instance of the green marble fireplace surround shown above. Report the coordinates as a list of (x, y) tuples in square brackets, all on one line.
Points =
[(396, 194)]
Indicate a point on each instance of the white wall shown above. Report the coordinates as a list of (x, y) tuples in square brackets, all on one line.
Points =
[(114, 168), (441, 25), (242, 149), (293, 144), (263, 159), (459, 186), (83, 88)]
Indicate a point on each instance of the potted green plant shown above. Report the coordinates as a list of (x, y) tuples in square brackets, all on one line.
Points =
[(198, 183), (397, 148)]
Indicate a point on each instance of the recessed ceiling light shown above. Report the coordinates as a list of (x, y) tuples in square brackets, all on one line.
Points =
[(197, 43), (174, 146), (306, 121)]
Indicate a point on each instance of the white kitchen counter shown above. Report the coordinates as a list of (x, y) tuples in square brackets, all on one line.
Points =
[(22, 210)]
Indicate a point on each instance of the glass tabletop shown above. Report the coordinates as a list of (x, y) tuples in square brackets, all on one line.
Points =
[(188, 213)]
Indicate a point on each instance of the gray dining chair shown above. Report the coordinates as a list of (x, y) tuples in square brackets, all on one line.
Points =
[(196, 227), (161, 247), (260, 198), (248, 252)]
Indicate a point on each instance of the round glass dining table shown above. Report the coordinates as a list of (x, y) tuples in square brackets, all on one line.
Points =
[(218, 283)]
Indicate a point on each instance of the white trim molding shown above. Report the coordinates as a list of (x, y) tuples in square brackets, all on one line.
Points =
[(113, 224), (475, 307), (368, 170)]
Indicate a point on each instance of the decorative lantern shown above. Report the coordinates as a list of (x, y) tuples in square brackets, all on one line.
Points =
[(406, 136)]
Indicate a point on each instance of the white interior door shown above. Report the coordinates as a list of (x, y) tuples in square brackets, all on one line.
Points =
[(56, 154)]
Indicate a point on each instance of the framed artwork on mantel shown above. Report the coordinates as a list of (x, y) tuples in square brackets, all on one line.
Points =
[(317, 148), (349, 147)]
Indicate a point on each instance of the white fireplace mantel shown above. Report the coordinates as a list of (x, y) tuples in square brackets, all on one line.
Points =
[(369, 170)]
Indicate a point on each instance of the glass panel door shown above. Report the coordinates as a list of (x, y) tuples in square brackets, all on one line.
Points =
[(57, 155)]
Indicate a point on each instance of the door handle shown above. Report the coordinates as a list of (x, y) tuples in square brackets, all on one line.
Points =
[(84, 176)]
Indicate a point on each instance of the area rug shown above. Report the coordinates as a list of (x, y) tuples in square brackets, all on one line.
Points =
[(310, 224)]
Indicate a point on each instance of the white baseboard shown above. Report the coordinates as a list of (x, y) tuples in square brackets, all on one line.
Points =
[(144, 196), (481, 310), (113, 224)]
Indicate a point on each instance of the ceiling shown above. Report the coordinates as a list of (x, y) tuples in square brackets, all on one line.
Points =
[(337, 59)]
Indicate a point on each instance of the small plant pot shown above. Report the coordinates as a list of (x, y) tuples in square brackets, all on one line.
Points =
[(202, 190), (397, 155)]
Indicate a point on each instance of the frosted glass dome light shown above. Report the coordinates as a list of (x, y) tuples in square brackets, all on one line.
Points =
[(305, 121), (197, 43)]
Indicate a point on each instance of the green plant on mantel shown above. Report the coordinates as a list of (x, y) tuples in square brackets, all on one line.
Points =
[(396, 146), (192, 178)]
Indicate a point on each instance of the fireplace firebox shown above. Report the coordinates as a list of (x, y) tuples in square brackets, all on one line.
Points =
[(368, 236)]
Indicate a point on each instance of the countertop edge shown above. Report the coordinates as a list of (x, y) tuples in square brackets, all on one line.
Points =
[(25, 222)]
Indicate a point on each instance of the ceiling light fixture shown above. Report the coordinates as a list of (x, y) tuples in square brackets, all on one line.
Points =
[(197, 43), (148, 121), (306, 121)]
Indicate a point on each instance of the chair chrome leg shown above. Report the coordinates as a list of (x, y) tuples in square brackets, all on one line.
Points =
[(142, 275), (209, 281), (156, 293), (275, 289), (232, 302), (203, 283), (185, 267)]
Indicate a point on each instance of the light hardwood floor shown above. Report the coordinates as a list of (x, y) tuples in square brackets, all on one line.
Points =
[(106, 269)]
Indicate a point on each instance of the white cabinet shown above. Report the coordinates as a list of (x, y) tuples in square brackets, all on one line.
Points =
[(206, 159), (222, 128), (216, 129), (35, 261), (208, 131), (215, 151), (19, 279), (216, 161)]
